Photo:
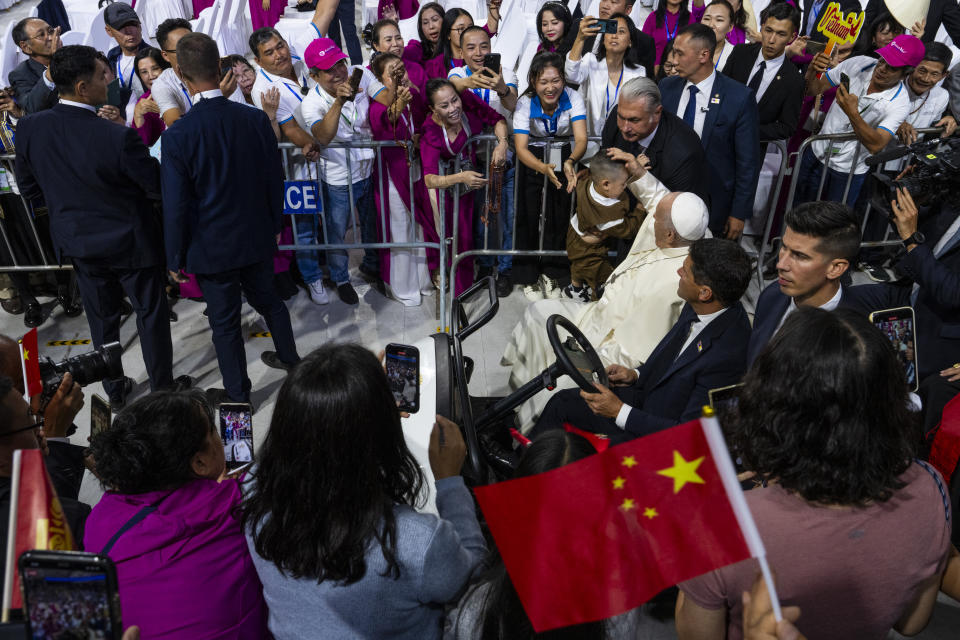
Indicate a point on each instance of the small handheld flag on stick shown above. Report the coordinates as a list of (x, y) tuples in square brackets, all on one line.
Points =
[(603, 535), (30, 364)]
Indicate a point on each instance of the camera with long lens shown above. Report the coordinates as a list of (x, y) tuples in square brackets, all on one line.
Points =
[(935, 176), (104, 363)]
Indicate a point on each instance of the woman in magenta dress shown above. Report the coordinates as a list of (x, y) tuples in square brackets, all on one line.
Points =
[(149, 64), (385, 38), (397, 9), (428, 28), (406, 272), (453, 119), (449, 55), (663, 24)]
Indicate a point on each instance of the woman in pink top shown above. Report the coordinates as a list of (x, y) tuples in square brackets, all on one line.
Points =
[(405, 271), (385, 38), (454, 118), (448, 56), (664, 23), (428, 28), (149, 64), (167, 521), (553, 23)]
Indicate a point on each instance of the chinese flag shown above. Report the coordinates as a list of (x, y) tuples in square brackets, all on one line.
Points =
[(603, 535), (32, 381), (36, 517), (945, 450)]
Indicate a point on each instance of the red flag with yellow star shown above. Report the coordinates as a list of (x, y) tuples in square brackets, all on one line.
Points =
[(605, 534), (30, 351)]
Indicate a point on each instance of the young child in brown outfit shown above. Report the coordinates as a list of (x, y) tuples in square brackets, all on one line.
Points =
[(603, 211)]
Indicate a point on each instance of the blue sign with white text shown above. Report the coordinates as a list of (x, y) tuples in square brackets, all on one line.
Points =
[(301, 196)]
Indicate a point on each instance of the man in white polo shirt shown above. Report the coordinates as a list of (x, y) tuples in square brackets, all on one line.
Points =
[(872, 108), (168, 90), (337, 113), (928, 100)]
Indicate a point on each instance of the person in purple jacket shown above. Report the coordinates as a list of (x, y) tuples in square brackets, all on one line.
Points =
[(167, 521)]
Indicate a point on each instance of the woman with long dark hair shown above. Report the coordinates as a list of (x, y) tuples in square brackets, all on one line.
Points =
[(548, 108), (148, 65), (856, 528), (553, 24), (455, 22), (168, 522), (428, 29), (664, 23), (330, 509)]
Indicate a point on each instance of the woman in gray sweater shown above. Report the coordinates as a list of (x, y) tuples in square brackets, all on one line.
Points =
[(329, 511)]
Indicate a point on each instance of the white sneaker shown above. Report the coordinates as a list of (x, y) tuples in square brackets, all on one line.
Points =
[(533, 292), (317, 293), (550, 287)]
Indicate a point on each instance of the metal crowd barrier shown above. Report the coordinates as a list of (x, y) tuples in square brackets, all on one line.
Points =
[(7, 161)]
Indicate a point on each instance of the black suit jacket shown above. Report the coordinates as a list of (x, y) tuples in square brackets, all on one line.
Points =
[(676, 156), (29, 89), (640, 42), (730, 141), (778, 111), (945, 12), (672, 389), (99, 183), (222, 188), (846, 6), (771, 306)]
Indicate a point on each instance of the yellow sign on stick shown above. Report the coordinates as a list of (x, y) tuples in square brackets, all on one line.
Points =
[(838, 29)]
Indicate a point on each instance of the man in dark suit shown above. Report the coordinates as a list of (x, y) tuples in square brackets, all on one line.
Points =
[(723, 112), (704, 350), (33, 86), (222, 209), (641, 43), (639, 124), (819, 243), (940, 12), (777, 85), (100, 185)]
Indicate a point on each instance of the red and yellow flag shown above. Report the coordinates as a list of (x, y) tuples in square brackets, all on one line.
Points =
[(603, 535), (30, 351), (40, 521)]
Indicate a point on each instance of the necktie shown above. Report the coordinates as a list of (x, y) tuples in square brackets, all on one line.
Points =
[(757, 77), (690, 111)]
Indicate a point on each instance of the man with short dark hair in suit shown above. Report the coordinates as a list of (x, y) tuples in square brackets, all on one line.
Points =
[(777, 85), (705, 349), (33, 86), (222, 213), (723, 112), (639, 124), (100, 185), (819, 243)]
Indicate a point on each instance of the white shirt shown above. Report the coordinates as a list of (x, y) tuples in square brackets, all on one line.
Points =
[(291, 95), (882, 110), (696, 327), (829, 305), (529, 118), (704, 87), (353, 125), (599, 94), (603, 201), (82, 105), (724, 54), (203, 95), (928, 108), (128, 78), (169, 92), (489, 96), (770, 70)]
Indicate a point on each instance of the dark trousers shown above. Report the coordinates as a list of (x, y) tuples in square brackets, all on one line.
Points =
[(102, 288), (222, 293), (567, 406), (556, 220), (345, 19)]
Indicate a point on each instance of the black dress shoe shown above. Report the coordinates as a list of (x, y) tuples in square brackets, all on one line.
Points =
[(71, 308), (118, 400), (272, 360), (347, 293), (33, 315), (13, 306), (504, 285)]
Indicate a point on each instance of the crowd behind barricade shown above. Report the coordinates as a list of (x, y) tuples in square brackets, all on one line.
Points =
[(161, 176)]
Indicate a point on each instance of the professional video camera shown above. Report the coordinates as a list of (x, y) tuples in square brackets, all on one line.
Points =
[(935, 176), (100, 364)]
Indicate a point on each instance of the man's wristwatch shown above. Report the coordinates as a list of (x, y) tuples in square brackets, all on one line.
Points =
[(916, 238)]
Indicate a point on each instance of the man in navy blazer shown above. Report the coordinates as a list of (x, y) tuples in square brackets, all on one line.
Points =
[(706, 349), (819, 243), (100, 185), (723, 112), (222, 208)]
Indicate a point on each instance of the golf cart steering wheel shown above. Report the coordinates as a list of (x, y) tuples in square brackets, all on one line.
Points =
[(576, 356)]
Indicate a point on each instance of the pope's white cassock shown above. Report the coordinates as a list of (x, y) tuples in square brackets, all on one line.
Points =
[(638, 307)]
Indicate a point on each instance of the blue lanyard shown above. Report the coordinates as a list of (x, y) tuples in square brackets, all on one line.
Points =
[(296, 94), (186, 95), (133, 69), (666, 27), (482, 94), (616, 92)]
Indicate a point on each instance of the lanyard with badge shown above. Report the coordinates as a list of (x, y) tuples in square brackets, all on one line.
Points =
[(133, 69), (616, 94), (483, 94)]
